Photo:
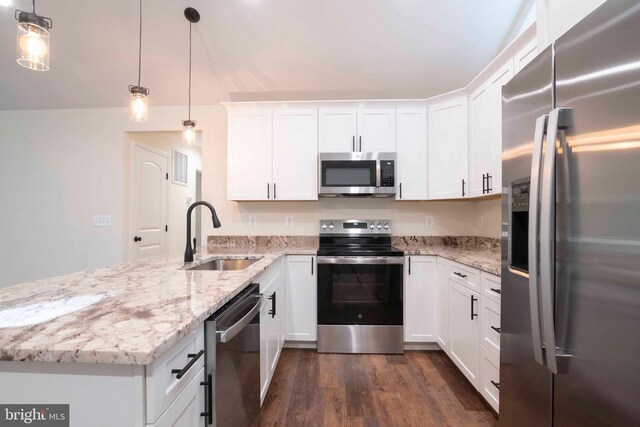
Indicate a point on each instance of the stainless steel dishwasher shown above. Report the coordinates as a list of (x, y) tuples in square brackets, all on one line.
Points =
[(232, 341)]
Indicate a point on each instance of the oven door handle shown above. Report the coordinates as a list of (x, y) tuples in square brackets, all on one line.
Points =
[(361, 260)]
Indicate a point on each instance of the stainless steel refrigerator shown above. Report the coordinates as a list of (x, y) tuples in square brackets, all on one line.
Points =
[(570, 333)]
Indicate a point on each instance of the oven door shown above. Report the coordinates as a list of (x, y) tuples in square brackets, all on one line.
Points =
[(360, 290)]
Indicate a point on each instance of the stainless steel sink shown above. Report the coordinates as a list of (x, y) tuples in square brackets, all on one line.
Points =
[(226, 264)]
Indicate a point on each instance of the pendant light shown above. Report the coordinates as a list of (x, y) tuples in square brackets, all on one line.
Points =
[(189, 126), (139, 98), (33, 39)]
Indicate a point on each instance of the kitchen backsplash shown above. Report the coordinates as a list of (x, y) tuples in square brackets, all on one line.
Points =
[(283, 241)]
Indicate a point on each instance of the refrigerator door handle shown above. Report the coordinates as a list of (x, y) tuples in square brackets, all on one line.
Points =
[(534, 200), (558, 118)]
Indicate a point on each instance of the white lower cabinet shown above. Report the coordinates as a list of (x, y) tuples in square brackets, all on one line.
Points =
[(420, 299), (490, 377), (185, 410), (468, 327), (443, 303), (301, 303), (464, 330), (272, 324)]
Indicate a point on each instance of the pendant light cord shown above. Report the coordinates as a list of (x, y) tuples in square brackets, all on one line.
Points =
[(139, 46), (190, 24)]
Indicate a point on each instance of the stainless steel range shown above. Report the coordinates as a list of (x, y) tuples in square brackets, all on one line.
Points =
[(359, 288)]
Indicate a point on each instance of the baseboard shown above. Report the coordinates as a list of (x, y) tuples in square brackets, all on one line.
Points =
[(429, 346), (301, 344)]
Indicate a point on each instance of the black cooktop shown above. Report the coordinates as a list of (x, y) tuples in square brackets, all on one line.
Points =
[(357, 246)]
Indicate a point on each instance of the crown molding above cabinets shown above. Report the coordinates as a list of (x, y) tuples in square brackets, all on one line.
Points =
[(447, 147)]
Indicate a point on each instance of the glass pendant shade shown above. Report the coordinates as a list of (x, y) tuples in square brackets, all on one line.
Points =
[(138, 103), (33, 41), (189, 133)]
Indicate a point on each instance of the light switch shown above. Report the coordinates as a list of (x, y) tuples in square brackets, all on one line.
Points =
[(102, 220)]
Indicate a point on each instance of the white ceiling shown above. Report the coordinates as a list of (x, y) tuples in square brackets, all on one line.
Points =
[(256, 50)]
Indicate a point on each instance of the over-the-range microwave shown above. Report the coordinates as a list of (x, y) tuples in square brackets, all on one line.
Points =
[(357, 175)]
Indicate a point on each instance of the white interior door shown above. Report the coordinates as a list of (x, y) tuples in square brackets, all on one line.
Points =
[(148, 203)]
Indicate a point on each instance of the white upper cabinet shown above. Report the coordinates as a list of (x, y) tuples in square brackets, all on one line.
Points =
[(448, 149), (249, 154), (412, 166), (376, 130), (485, 134), (337, 131), (525, 55), (295, 154), (479, 139)]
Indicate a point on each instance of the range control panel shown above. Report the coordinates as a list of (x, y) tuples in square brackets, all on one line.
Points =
[(355, 226)]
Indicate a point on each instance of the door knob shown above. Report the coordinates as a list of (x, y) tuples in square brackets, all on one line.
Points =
[(137, 239)]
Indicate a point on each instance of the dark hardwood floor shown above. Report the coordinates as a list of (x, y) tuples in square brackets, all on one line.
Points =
[(419, 388)]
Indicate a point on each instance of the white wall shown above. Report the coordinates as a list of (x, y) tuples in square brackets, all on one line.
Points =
[(179, 195), (555, 17), (61, 167)]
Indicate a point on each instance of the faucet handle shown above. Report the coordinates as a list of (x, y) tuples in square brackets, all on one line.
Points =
[(194, 245)]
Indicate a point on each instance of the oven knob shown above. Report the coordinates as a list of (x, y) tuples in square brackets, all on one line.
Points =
[(331, 226), (386, 226), (372, 226), (379, 226), (324, 226)]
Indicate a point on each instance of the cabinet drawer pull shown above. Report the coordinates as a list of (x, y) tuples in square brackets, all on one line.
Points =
[(496, 290), (495, 384), (181, 372), (473, 299), (496, 329), (464, 276)]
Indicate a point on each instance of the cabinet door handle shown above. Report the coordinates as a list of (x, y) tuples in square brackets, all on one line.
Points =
[(137, 239), (489, 188), (274, 191), (208, 399), (409, 266), (497, 291), (401, 190), (473, 315), (495, 384), (464, 276), (268, 192), (484, 188), (360, 142), (463, 187), (312, 259), (353, 143), (496, 329), (181, 372), (272, 312)]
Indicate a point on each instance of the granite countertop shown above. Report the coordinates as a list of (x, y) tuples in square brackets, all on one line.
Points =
[(128, 313), (131, 313)]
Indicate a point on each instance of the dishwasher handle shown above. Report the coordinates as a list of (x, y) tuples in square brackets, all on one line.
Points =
[(251, 305)]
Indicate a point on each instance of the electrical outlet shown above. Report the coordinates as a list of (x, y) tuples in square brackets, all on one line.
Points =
[(102, 220), (253, 221), (288, 220), (428, 221)]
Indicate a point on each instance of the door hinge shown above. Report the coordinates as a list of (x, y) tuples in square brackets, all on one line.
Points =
[(167, 176), (166, 228)]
